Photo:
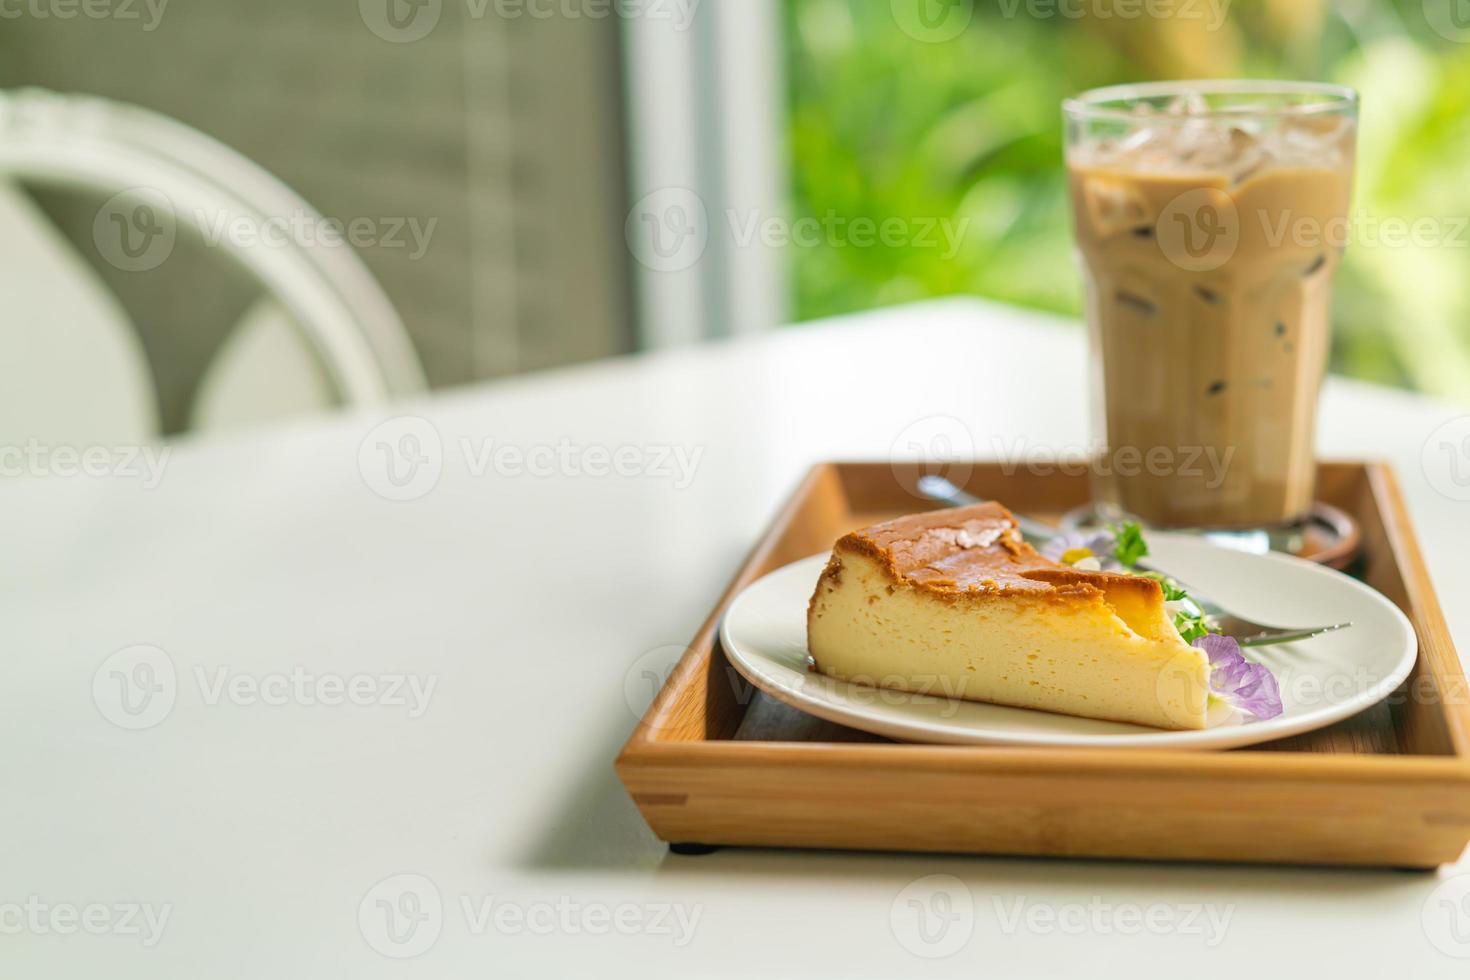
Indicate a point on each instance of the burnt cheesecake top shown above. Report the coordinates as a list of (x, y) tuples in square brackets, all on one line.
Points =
[(977, 549)]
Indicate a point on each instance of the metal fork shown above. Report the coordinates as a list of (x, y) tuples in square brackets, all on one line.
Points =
[(1246, 632)]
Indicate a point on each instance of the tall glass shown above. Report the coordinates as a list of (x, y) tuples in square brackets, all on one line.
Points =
[(1210, 218)]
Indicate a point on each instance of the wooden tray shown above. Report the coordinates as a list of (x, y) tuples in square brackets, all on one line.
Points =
[(714, 762)]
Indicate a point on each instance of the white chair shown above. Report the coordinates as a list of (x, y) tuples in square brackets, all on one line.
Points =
[(146, 163)]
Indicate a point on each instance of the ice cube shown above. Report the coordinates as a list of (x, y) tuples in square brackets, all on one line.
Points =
[(1246, 166), (1115, 206), (1141, 138), (1313, 140), (1245, 155), (1201, 143)]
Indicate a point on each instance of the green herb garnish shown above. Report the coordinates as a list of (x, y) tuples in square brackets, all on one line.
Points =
[(1192, 625), (1130, 547), (1172, 591)]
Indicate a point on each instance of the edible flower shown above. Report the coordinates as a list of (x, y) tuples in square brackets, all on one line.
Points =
[(1091, 551), (1115, 548), (1235, 680)]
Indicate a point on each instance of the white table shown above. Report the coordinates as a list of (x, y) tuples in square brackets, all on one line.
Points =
[(262, 828)]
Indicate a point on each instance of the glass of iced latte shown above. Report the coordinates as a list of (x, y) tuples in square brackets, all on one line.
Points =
[(1210, 218)]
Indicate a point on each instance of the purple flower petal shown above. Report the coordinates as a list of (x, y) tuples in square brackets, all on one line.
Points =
[(1249, 687)]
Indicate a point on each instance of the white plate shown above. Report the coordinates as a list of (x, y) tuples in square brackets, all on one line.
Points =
[(1323, 680)]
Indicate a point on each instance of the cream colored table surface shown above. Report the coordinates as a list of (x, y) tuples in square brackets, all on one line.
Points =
[(284, 803)]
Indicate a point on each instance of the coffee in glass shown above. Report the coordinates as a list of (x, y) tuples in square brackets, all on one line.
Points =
[(1210, 218)]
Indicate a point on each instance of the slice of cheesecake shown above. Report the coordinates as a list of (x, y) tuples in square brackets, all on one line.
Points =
[(954, 604)]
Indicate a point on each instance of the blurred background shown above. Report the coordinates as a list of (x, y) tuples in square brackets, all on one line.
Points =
[(881, 124), (493, 187)]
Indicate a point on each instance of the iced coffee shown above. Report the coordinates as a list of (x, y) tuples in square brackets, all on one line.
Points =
[(1210, 219)]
